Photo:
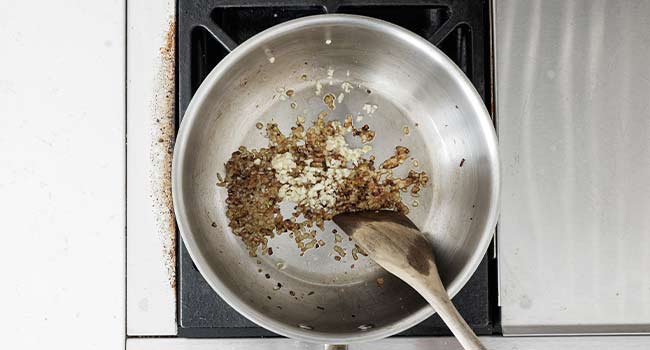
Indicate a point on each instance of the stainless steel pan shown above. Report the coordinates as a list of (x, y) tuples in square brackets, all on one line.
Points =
[(413, 84)]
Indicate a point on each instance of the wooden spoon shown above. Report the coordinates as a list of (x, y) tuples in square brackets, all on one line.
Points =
[(396, 244)]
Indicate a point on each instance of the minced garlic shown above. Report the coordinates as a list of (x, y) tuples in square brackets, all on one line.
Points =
[(317, 171)]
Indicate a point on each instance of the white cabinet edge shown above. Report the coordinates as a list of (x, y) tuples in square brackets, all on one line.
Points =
[(402, 343), (151, 236)]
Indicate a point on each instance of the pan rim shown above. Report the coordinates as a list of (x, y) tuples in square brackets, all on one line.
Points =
[(434, 54)]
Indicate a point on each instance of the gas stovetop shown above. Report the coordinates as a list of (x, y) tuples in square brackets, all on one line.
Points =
[(209, 29)]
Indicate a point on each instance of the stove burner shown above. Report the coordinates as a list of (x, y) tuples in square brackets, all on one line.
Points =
[(209, 29)]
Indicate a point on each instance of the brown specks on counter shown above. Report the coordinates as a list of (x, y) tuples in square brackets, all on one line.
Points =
[(161, 149)]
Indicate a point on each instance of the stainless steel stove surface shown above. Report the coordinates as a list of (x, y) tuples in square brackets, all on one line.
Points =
[(209, 29)]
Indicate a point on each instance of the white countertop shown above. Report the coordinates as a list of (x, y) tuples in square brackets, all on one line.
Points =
[(62, 165)]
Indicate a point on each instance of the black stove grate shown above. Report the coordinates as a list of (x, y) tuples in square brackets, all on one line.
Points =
[(209, 29)]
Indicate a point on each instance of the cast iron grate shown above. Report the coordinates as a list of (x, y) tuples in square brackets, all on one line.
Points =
[(209, 29)]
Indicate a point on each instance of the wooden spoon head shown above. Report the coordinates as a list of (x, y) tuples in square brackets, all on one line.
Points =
[(391, 240), (395, 243)]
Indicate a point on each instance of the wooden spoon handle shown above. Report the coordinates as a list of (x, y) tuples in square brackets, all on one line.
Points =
[(434, 293)]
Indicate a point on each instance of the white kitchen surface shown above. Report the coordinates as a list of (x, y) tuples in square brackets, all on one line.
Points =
[(151, 227), (401, 343), (573, 107), (62, 164)]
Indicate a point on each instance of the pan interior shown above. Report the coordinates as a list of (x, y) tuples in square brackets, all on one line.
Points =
[(315, 294)]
